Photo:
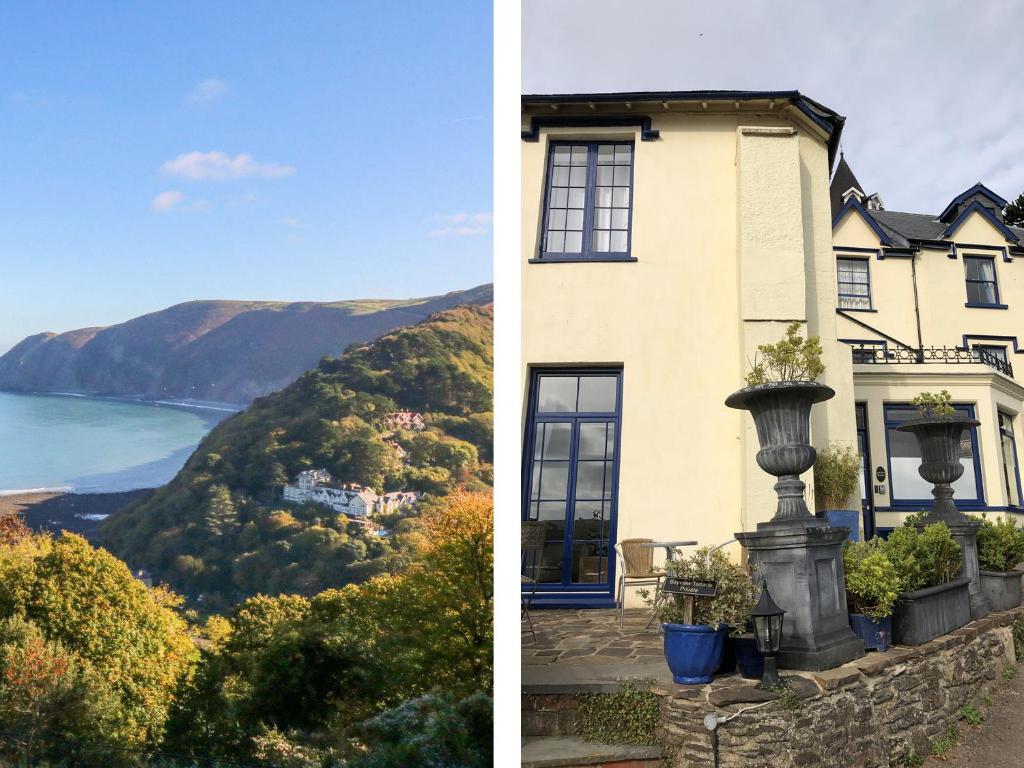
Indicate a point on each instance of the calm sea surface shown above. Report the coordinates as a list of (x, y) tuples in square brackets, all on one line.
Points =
[(93, 445)]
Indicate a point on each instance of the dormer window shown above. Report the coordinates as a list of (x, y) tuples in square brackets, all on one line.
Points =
[(982, 288), (589, 201)]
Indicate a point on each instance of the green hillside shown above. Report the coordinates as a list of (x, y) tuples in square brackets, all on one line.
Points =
[(218, 529)]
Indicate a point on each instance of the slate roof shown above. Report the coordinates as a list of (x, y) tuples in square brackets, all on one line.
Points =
[(917, 226), (842, 180)]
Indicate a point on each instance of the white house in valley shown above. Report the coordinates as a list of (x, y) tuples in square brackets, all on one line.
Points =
[(317, 486), (407, 420)]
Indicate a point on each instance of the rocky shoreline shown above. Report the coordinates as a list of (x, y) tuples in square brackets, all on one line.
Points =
[(81, 513)]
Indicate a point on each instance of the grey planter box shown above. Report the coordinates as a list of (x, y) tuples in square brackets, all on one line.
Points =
[(1001, 589), (927, 613)]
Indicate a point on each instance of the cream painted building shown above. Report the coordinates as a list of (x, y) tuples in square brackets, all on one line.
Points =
[(665, 236), (931, 302)]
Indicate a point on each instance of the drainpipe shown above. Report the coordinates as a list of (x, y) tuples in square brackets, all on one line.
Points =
[(917, 307)]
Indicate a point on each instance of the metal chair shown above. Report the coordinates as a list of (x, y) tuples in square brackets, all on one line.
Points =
[(636, 569), (532, 537)]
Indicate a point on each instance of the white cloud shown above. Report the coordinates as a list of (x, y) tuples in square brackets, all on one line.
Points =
[(219, 166), (290, 221), (165, 201), (462, 224), (207, 91)]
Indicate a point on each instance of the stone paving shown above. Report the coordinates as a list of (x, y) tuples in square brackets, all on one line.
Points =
[(589, 636)]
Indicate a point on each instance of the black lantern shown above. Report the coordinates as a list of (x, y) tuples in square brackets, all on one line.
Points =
[(767, 618)]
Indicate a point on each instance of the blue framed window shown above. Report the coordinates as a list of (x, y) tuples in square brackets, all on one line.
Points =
[(982, 285), (570, 480), (908, 490), (588, 201), (854, 283), (1011, 470), (995, 351)]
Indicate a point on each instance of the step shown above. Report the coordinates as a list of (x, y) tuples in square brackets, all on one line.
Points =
[(563, 752)]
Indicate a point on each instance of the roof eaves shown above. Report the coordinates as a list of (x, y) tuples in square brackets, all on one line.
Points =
[(855, 204), (977, 207), (976, 189)]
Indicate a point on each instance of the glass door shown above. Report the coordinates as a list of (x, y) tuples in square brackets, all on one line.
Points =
[(571, 479)]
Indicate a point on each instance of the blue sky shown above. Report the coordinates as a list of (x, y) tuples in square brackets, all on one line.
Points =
[(154, 153)]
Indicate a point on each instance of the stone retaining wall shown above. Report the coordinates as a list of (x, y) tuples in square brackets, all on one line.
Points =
[(869, 713)]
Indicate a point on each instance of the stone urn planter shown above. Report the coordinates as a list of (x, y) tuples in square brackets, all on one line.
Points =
[(799, 555), (782, 417), (1003, 590), (938, 438), (925, 614)]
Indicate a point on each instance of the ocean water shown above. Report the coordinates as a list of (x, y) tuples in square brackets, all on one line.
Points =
[(94, 445)]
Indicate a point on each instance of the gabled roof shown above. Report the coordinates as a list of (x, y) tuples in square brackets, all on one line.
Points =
[(976, 207), (950, 211), (853, 204)]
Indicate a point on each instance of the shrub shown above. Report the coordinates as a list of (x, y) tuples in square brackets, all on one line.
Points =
[(1000, 544), (871, 579), (923, 558), (732, 603), (930, 405), (836, 474), (793, 358)]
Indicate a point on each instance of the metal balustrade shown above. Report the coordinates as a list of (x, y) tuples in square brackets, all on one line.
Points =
[(877, 354)]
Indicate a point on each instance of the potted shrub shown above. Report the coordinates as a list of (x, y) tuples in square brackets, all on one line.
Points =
[(695, 628), (1000, 551), (781, 388), (933, 599), (872, 586), (938, 432), (836, 479)]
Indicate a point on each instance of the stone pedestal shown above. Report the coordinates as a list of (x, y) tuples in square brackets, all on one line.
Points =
[(803, 565), (965, 532)]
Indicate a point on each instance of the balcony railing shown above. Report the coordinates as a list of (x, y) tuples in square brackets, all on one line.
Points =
[(870, 353)]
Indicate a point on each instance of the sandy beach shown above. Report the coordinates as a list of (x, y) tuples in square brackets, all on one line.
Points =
[(79, 512)]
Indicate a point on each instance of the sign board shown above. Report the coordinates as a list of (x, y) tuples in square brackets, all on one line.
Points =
[(880, 474), (693, 587)]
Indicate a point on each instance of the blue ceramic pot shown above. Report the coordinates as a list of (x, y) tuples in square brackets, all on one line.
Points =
[(693, 651), (876, 633), (748, 658)]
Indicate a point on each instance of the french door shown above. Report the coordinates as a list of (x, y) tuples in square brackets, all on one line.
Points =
[(570, 481)]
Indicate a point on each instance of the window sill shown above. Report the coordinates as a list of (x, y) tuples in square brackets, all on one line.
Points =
[(579, 259), (850, 309), (986, 306)]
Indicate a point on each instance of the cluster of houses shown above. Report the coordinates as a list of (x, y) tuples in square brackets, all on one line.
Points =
[(357, 502)]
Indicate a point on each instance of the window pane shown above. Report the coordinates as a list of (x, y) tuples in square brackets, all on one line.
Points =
[(621, 175), (589, 480), (620, 197), (561, 155), (1010, 470), (552, 514), (579, 155), (557, 439), (589, 563), (556, 219), (623, 155), (577, 177), (573, 242), (620, 218), (618, 242), (606, 154), (554, 480), (603, 197), (604, 175), (557, 394), (559, 197), (589, 521), (603, 218), (592, 440), (559, 176), (600, 241), (598, 394), (556, 242), (576, 198), (574, 220)]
